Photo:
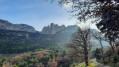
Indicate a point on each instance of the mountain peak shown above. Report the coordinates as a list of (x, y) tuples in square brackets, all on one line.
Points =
[(55, 28), (52, 28), (6, 25)]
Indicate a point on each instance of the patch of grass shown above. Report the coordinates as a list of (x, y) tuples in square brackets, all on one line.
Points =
[(84, 65), (93, 60)]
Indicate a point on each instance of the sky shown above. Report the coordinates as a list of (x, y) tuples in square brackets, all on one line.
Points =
[(37, 13)]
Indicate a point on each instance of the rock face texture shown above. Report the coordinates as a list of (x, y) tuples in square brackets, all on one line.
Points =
[(5, 25), (54, 28)]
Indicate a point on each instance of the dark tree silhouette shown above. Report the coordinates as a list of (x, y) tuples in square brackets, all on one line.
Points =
[(98, 36), (88, 9), (81, 45), (105, 10), (109, 25)]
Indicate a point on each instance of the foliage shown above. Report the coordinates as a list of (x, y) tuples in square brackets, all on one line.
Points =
[(54, 63), (84, 65), (80, 45), (47, 58), (0, 62), (109, 57), (13, 41), (40, 56), (4, 59), (59, 58), (89, 9), (108, 25), (33, 60), (23, 64), (7, 64), (98, 53)]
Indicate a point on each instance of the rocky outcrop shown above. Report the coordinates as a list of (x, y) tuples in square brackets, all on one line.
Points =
[(5, 25), (54, 28), (71, 28)]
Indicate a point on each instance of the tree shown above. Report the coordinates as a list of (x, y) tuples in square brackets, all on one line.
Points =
[(80, 45), (109, 24), (23, 64), (88, 9), (40, 56), (7, 64), (109, 27), (97, 53), (104, 12), (54, 63), (98, 36)]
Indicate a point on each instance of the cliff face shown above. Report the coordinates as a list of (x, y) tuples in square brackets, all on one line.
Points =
[(54, 28), (5, 25)]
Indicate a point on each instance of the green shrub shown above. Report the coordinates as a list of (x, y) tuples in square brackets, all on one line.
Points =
[(111, 64), (31, 60), (23, 64), (112, 60), (0, 62), (15, 65), (117, 64), (34, 60), (73, 64), (4, 59)]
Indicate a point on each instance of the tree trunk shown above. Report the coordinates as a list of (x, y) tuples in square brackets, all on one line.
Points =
[(86, 55), (110, 42), (102, 52), (88, 59)]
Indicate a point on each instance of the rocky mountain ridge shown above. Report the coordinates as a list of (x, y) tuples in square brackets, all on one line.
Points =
[(54, 28), (5, 25), (18, 38)]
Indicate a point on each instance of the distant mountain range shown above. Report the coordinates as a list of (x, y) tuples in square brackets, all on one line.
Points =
[(17, 38), (5, 25), (55, 29)]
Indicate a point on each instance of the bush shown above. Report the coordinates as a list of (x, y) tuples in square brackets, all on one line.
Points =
[(117, 64), (112, 64), (0, 62), (15, 65), (33, 60), (73, 64), (23, 64), (112, 60), (4, 59)]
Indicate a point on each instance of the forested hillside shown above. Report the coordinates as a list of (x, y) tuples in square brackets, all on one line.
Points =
[(17, 41)]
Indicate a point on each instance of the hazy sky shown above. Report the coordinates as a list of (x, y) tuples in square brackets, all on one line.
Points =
[(37, 13)]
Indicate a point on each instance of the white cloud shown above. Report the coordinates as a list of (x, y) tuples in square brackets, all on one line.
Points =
[(88, 24), (67, 5)]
